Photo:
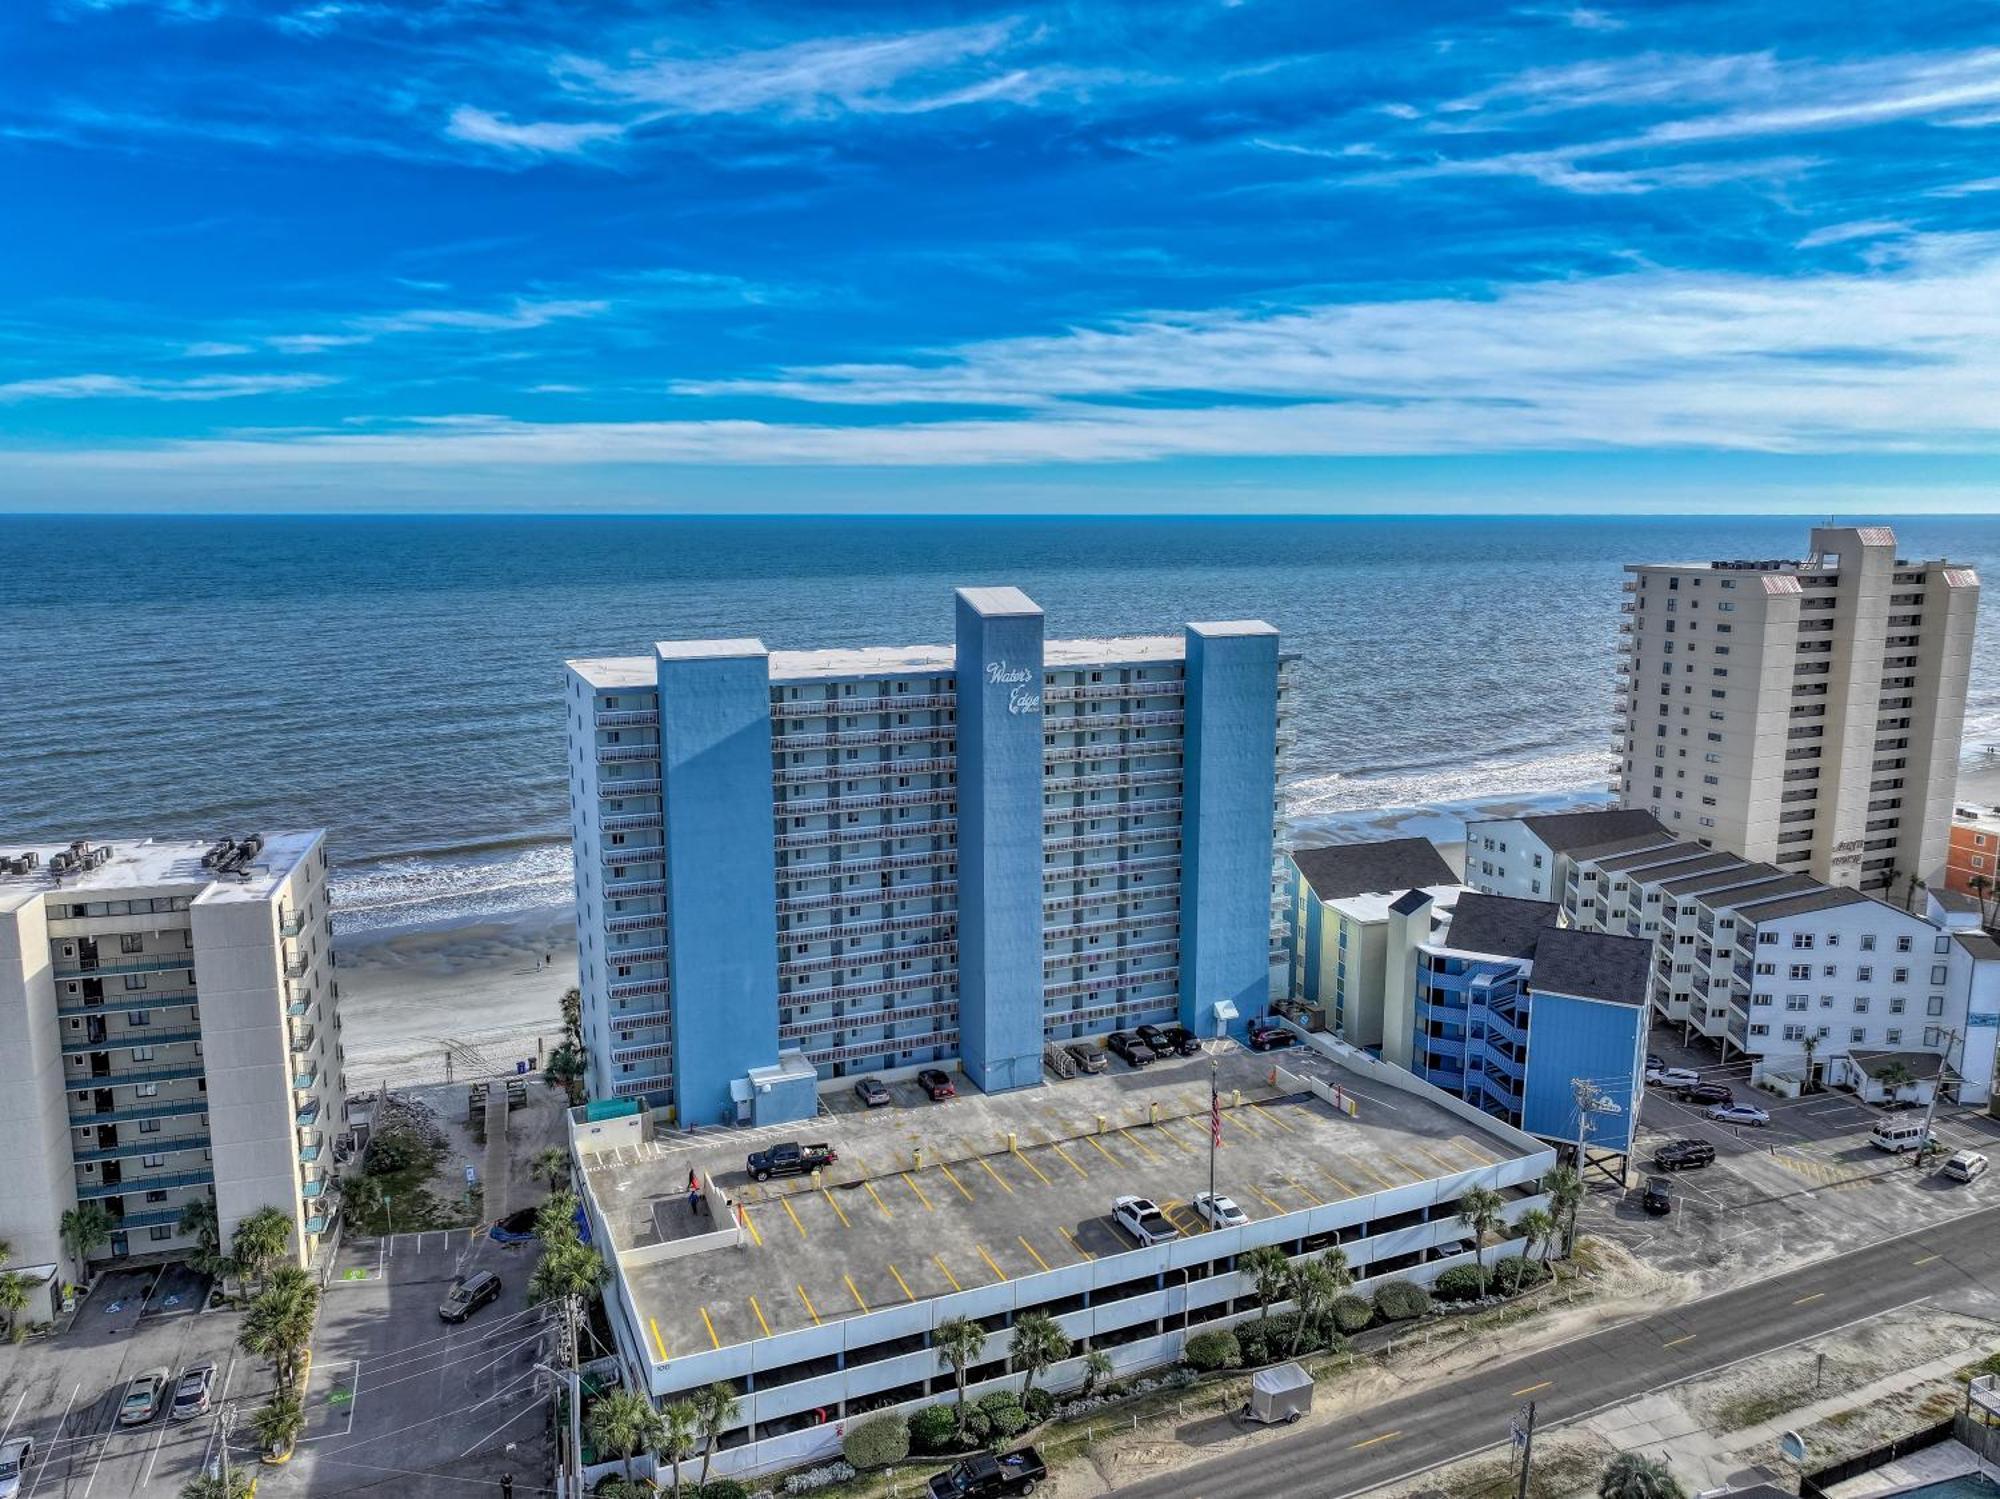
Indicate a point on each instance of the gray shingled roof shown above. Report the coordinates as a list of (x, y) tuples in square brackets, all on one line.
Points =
[(1921, 1065), (1502, 925), (1658, 856), (1593, 965), (1979, 944), (1825, 898), (1565, 831), (1343, 869)]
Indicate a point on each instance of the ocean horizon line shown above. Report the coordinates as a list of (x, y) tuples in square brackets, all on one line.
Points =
[(215, 517)]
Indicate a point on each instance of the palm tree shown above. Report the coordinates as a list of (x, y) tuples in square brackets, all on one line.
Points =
[(625, 1422), (555, 1220), (565, 1070), (1479, 1210), (1631, 1475), (198, 1223), (1565, 1188), (1895, 1077), (1984, 891), (279, 1324), (1538, 1226), (1315, 1285), (13, 1296), (259, 1243), (279, 1424), (958, 1340), (679, 1425), (572, 1014), (552, 1165), (1037, 1343), (1911, 885), (715, 1407), (570, 1269), (1267, 1265), (233, 1483), (1097, 1366), (83, 1228), (1812, 1056)]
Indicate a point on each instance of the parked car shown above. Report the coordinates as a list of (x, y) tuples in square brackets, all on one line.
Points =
[(988, 1475), (1269, 1035), (937, 1085), (1218, 1211), (142, 1398), (1142, 1219), (1653, 1070), (1899, 1135), (468, 1294), (790, 1159), (1708, 1093), (1655, 1062), (191, 1394), (1090, 1058), (14, 1457), (1965, 1166), (1183, 1040), (1676, 1077), (1739, 1113), (1658, 1200), (1156, 1038), (873, 1092), (1684, 1155), (1135, 1052)]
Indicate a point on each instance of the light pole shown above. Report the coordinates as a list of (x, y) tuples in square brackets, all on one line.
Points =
[(1214, 1139), (1937, 1087)]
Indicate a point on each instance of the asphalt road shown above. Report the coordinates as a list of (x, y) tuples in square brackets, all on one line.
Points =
[(1444, 1423)]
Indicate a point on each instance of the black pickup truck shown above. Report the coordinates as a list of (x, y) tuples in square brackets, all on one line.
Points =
[(790, 1159), (982, 1476)]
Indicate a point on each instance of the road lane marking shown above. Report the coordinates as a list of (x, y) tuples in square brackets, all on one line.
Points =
[(836, 1208), (911, 1182), (151, 1458), (786, 1204), (1927, 1259), (1093, 1141), (989, 1261), (1034, 1168), (1172, 1139), (956, 1183), (1804, 1299), (1529, 1390), (938, 1260), (908, 1294), (1076, 1246), (760, 1316), (1676, 1342), (810, 1311), (1387, 1436), (1031, 1251), (996, 1176), (17, 1411), (1069, 1160), (54, 1441), (659, 1343), (710, 1325), (869, 1188), (855, 1291)]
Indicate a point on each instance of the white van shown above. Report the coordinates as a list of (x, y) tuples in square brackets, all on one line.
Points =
[(1898, 1135), (1965, 1166)]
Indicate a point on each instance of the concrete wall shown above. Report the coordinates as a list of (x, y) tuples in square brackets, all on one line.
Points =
[(37, 1181), (999, 838), (1229, 791)]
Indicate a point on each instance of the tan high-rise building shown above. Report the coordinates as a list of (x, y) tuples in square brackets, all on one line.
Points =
[(1803, 713)]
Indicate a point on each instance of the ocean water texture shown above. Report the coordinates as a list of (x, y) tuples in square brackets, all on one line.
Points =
[(398, 680)]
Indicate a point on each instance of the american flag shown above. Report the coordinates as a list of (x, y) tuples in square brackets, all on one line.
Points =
[(1215, 1120)]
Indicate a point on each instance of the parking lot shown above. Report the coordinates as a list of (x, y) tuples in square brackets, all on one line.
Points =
[(927, 1199), (396, 1395), (1807, 1184), (64, 1392)]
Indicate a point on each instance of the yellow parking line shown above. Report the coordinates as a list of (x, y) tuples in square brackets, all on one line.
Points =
[(755, 1237), (938, 1260), (760, 1316), (810, 1312), (956, 1183), (1378, 1177), (1483, 1156), (1076, 1246), (1676, 1342), (911, 1182), (1451, 1166), (1264, 1113), (1148, 1154), (1067, 1160), (908, 1294), (1530, 1389), (1926, 1259), (1240, 1119), (1387, 1436), (1304, 1191), (1033, 1167), (1093, 1141), (1804, 1299), (836, 1208), (996, 1176), (1168, 1210), (989, 1261), (1031, 1251), (853, 1291), (1269, 1201), (1346, 1188), (1173, 1139), (710, 1325), (659, 1342), (869, 1187), (786, 1204)]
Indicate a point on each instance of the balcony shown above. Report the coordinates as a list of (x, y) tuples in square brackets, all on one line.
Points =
[(312, 1191), (856, 738), (302, 1041), (621, 754), (135, 1001), (291, 923), (148, 1145), (129, 965), (309, 1115), (881, 703), (1170, 688), (170, 1109), (863, 770), (630, 822), (297, 964), (305, 1082), (128, 1038), (157, 1219), (83, 1082), (308, 1154), (606, 790), (627, 718), (316, 1224), (137, 1184)]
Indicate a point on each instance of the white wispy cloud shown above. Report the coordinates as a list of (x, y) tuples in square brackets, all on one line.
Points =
[(212, 350), (143, 388), (529, 137), (522, 312), (1840, 234)]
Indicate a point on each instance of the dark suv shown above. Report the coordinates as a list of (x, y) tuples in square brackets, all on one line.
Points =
[(1658, 1200), (1683, 1155), (1135, 1052), (1269, 1035), (1183, 1040), (468, 1294), (1156, 1038), (1708, 1093)]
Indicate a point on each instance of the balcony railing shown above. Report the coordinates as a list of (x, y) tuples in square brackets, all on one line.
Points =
[(621, 754), (846, 738), (835, 806), (864, 770), (303, 1041), (297, 964), (309, 1115), (149, 1145), (137, 1184), (870, 832), (876, 895), (607, 790), (175, 1108), (80, 1082), (840, 707), (126, 1039), (1174, 687), (146, 1000), (1105, 871), (291, 923), (83, 970), (626, 718), (629, 822), (867, 958), (305, 1082)]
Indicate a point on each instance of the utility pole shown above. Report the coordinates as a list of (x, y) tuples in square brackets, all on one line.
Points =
[(1524, 1429), (1937, 1087), (1214, 1136), (227, 1422)]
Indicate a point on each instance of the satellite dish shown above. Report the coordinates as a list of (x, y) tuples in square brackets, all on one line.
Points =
[(1792, 1447)]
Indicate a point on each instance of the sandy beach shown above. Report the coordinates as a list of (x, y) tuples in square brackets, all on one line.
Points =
[(486, 993)]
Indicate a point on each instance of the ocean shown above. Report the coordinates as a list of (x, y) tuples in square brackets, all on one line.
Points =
[(397, 680)]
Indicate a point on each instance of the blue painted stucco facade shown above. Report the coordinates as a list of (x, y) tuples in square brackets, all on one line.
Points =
[(1572, 1038), (715, 762), (1230, 791), (999, 648)]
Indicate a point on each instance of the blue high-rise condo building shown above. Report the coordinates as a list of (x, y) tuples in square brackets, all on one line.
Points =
[(797, 866)]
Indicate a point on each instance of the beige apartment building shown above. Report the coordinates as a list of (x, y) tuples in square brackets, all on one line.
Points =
[(167, 1011), (1806, 713)]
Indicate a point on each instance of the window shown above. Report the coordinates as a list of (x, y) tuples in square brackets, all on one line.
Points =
[(131, 942), (149, 1126), (1861, 1004), (1802, 939), (152, 1160), (135, 981), (1934, 1005), (1857, 1035), (160, 1232), (1893, 1035), (1868, 942), (1865, 974), (1899, 975), (1902, 944)]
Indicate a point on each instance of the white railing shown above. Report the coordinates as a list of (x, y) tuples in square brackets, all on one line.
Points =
[(841, 993), (833, 806), (870, 832), (829, 1025), (1174, 687), (842, 738), (839, 706), (863, 770), (874, 895), (867, 958)]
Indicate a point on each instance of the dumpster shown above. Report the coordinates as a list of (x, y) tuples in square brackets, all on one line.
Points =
[(1281, 1393)]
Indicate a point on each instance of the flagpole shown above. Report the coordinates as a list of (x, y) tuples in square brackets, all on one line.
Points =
[(1214, 1129)]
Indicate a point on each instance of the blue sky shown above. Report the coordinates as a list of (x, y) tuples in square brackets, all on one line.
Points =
[(364, 254)]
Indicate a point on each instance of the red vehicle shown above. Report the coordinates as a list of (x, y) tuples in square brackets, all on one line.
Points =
[(936, 1084)]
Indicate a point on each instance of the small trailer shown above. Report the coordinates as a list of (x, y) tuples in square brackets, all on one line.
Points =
[(1279, 1395)]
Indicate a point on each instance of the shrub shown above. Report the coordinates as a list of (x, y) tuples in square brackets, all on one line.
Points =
[(1003, 1409), (1252, 1343), (978, 1426), (1518, 1274), (1209, 1351), (721, 1488), (1399, 1301), (878, 1442), (1352, 1313), (934, 1429), (1039, 1404)]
